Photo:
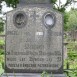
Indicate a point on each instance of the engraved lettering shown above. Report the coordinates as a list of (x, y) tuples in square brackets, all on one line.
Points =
[(12, 33), (11, 59), (48, 65), (34, 46), (36, 59)]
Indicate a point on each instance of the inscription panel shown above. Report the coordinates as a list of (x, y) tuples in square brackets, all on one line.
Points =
[(33, 48)]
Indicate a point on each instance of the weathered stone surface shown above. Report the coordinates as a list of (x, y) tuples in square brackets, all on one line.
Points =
[(34, 1), (31, 46), (30, 75)]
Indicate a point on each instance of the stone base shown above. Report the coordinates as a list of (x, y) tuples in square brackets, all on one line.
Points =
[(29, 75)]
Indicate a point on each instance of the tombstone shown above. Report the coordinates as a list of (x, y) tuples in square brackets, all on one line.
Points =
[(34, 40)]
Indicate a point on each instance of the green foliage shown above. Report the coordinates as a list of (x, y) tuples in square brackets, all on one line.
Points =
[(61, 8), (1, 26), (71, 61), (2, 42), (53, 1), (2, 59), (44, 74), (72, 51), (1, 69), (72, 55), (75, 73), (71, 20), (1, 51), (12, 3), (1, 62), (71, 73), (66, 16)]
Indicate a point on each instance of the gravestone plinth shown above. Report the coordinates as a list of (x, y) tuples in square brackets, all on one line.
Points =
[(34, 42)]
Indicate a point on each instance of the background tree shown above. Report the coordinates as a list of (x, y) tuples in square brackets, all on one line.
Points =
[(71, 20), (61, 7), (1, 25), (66, 17)]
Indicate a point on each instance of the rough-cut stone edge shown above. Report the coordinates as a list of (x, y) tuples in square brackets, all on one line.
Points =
[(30, 75), (27, 2)]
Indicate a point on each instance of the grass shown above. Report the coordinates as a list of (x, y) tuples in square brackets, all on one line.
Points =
[(1, 58), (2, 42), (72, 54), (1, 61), (1, 51), (1, 69), (2, 33), (71, 60)]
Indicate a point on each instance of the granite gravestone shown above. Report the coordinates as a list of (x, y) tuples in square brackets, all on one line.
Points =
[(34, 40)]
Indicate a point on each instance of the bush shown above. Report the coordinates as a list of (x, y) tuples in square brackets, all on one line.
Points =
[(72, 50), (71, 73), (71, 60), (1, 26), (2, 42), (1, 51), (1, 64), (1, 58)]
